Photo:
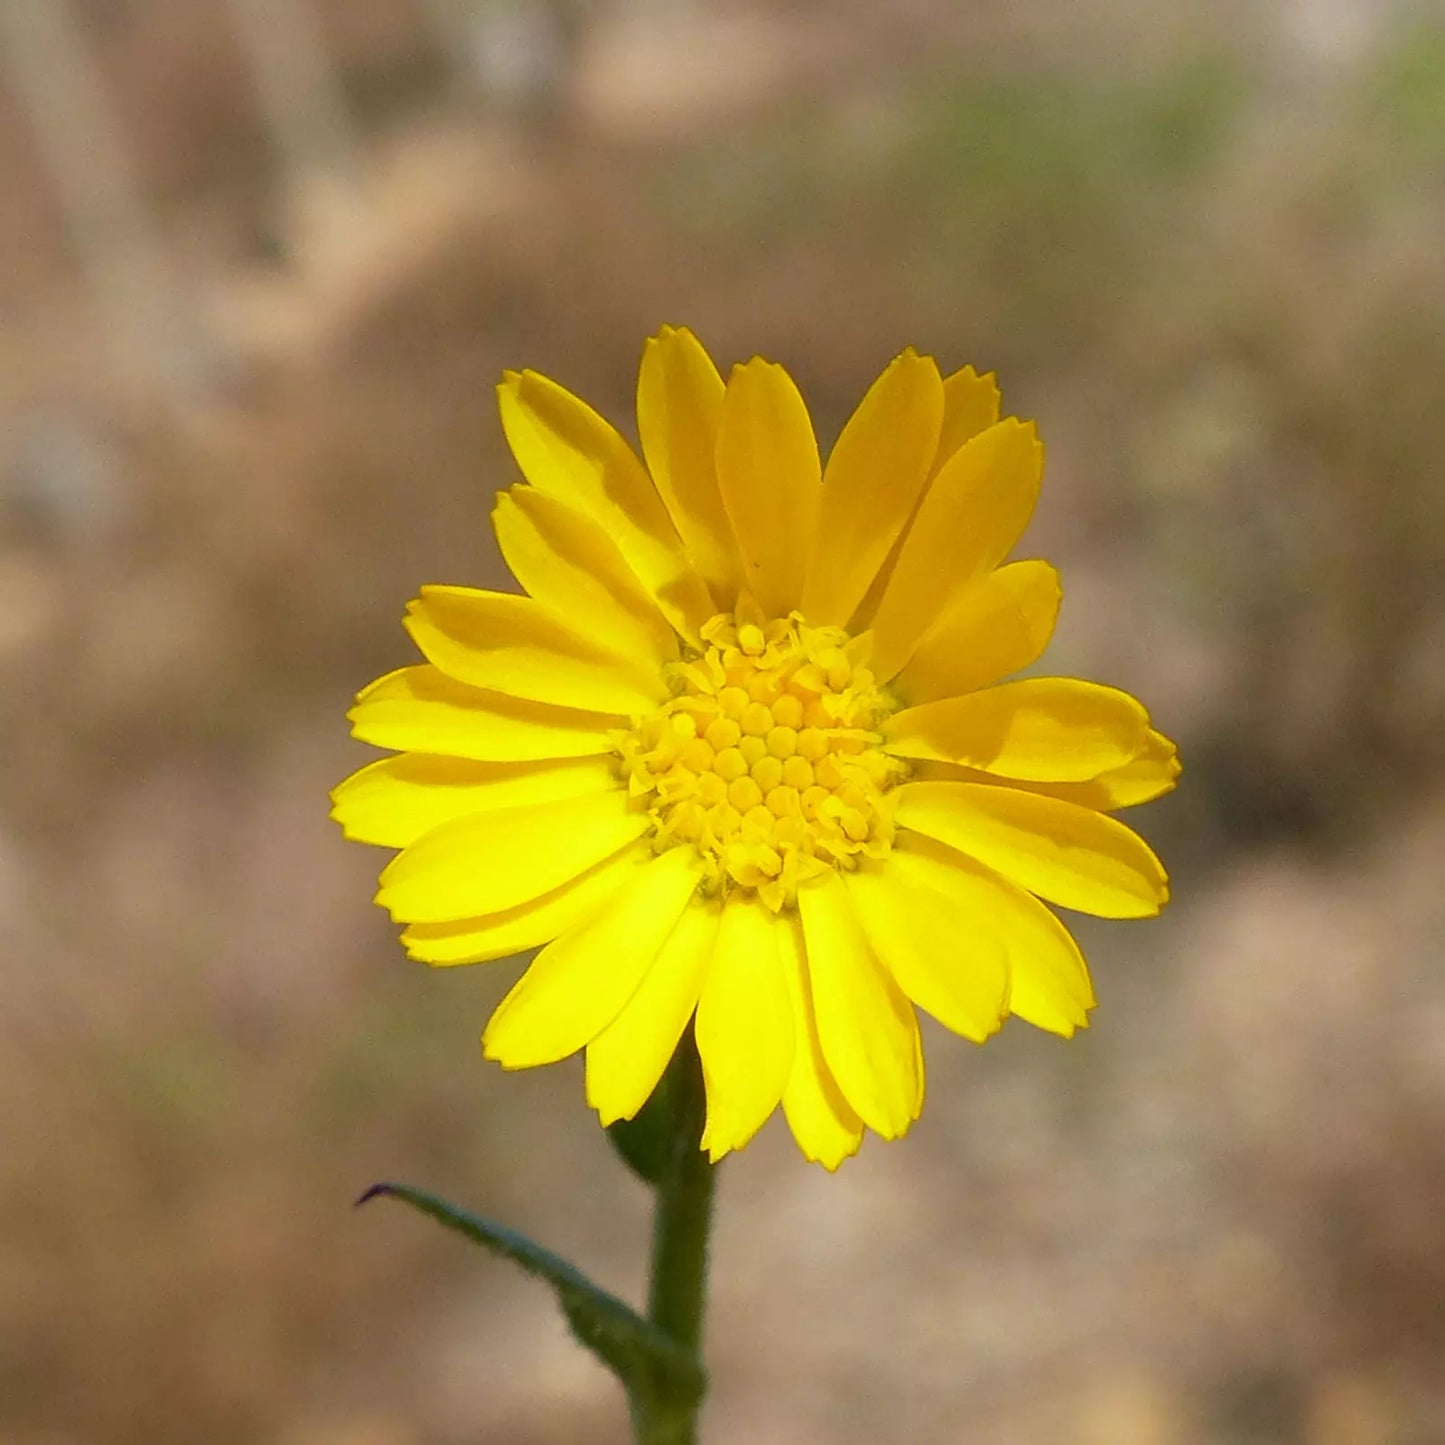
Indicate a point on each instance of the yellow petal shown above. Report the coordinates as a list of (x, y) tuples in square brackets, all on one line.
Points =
[(679, 411), (1048, 981), (578, 984), (1040, 728), (822, 1120), (970, 406), (935, 949), (625, 1061), (1070, 855), (1000, 624), (514, 930), (770, 479), (491, 861), (394, 801), (971, 516), (421, 709), (874, 475), (744, 1027), (565, 560), (1141, 780), (1148, 776), (567, 451), (516, 646), (866, 1026)]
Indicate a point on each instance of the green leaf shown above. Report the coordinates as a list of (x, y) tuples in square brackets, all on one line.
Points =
[(652, 1366)]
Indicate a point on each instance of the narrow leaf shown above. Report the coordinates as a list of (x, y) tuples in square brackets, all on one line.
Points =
[(650, 1364)]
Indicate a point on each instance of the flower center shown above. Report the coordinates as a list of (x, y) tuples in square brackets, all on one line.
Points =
[(766, 759)]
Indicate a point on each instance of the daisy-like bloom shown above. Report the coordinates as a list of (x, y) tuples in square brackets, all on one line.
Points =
[(741, 755)]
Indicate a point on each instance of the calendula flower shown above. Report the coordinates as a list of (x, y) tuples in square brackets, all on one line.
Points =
[(742, 754)]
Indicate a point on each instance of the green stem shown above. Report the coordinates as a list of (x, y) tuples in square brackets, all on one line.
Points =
[(678, 1295)]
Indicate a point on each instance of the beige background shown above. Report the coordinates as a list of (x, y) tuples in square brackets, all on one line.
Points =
[(257, 278)]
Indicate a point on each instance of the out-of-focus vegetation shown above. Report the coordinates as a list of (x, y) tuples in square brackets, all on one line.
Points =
[(237, 432)]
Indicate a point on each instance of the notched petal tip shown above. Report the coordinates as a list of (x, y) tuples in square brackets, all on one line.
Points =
[(1016, 430), (754, 365), (413, 954), (718, 1144), (1055, 581), (608, 1117), (1173, 764), (1063, 1027), (726, 1135), (980, 1036), (834, 1162), (514, 382), (669, 332), (501, 1056), (893, 1131), (911, 356), (339, 815), (607, 1112)]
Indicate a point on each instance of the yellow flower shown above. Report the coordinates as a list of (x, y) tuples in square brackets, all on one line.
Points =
[(742, 752)]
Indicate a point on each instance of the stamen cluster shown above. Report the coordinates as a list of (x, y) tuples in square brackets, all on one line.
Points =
[(766, 759)]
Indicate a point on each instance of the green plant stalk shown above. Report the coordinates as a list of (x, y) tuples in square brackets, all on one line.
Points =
[(677, 1298)]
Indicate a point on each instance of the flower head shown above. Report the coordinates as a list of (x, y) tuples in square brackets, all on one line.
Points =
[(742, 754)]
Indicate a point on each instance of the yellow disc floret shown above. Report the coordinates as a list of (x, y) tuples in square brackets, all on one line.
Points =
[(765, 759)]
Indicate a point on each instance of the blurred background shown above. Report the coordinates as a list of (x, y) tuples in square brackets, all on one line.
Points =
[(261, 263)]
